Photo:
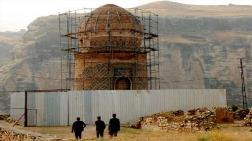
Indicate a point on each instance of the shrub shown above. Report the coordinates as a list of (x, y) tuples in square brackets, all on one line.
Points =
[(234, 108)]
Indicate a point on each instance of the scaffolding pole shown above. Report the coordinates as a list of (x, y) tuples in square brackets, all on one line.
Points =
[(69, 23)]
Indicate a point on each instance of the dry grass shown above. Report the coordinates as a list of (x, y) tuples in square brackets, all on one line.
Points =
[(226, 132), (222, 136), (11, 136)]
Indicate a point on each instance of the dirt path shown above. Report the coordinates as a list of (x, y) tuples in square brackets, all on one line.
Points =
[(52, 133), (227, 132)]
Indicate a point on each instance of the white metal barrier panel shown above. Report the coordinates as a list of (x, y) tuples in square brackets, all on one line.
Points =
[(62, 108)]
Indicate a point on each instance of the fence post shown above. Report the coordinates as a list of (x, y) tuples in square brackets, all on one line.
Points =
[(25, 111)]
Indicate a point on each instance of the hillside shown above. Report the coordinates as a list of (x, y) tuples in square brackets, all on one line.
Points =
[(200, 48), (166, 8)]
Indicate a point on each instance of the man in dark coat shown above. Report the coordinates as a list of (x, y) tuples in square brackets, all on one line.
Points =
[(114, 126), (100, 126), (78, 127)]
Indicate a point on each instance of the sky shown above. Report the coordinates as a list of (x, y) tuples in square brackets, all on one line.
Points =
[(17, 14)]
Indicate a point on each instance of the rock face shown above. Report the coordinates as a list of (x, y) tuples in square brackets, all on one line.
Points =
[(200, 47), (199, 52), (34, 60), (8, 43)]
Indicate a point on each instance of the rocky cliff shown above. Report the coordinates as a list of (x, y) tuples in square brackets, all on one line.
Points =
[(200, 48)]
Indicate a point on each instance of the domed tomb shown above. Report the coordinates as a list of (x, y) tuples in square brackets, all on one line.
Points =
[(110, 27), (110, 55)]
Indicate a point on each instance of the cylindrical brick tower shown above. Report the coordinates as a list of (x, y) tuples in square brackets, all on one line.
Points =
[(109, 53)]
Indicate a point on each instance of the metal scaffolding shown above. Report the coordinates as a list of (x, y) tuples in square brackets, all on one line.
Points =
[(69, 42)]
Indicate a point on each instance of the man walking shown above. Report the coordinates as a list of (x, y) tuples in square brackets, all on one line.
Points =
[(78, 127), (100, 126), (114, 126)]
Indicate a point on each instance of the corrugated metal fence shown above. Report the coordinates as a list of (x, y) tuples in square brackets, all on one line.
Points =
[(62, 108)]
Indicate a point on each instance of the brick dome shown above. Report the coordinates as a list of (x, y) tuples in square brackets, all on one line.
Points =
[(110, 26)]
